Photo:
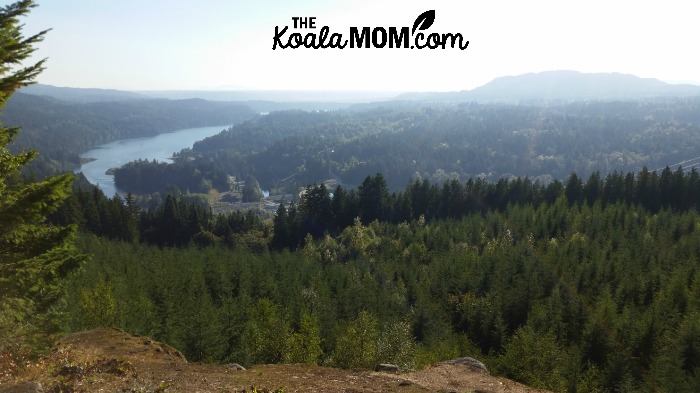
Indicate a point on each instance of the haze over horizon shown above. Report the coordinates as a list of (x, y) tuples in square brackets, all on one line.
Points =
[(220, 45)]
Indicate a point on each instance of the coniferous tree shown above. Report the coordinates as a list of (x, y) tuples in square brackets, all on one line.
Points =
[(574, 189), (251, 190), (281, 230), (357, 345), (373, 200), (342, 208), (304, 346), (34, 256), (315, 206), (171, 224)]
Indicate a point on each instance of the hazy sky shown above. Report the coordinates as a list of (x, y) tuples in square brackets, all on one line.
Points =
[(215, 44)]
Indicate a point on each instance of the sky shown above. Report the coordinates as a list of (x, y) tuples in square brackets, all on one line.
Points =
[(227, 44)]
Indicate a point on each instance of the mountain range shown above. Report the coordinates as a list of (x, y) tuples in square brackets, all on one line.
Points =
[(81, 95), (533, 88), (562, 86)]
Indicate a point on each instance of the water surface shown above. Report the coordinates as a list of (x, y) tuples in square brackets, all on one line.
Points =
[(160, 148)]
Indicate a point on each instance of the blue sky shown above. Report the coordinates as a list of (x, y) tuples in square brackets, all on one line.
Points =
[(227, 44)]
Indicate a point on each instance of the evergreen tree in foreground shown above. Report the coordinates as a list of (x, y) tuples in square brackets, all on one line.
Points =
[(34, 256)]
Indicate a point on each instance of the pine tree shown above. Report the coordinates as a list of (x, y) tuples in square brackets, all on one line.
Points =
[(34, 256)]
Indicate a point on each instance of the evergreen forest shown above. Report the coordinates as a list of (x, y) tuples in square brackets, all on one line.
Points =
[(61, 130), (443, 141), (576, 286), (559, 244)]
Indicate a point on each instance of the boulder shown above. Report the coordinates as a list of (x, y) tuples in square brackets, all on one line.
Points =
[(387, 368), (471, 363), (235, 367)]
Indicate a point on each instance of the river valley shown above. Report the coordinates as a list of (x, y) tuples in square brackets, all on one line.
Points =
[(98, 161)]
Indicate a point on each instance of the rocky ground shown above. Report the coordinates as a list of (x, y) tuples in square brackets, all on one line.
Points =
[(109, 360)]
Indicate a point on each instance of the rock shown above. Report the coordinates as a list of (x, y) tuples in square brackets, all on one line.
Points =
[(235, 367), (388, 368), (180, 355), (471, 363), (22, 387)]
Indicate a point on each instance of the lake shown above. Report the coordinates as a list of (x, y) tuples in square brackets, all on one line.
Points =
[(160, 148)]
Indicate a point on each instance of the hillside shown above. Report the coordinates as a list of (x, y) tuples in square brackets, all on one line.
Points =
[(80, 95), (60, 130), (259, 100), (562, 86), (435, 141), (111, 360)]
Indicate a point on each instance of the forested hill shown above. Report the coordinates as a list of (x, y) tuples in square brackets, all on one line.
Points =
[(81, 95), (260, 101), (60, 130), (579, 287), (440, 142), (563, 86)]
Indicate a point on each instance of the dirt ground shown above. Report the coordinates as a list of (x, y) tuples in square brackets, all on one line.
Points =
[(109, 360)]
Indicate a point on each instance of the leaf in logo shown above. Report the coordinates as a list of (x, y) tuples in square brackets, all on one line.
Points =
[(424, 21)]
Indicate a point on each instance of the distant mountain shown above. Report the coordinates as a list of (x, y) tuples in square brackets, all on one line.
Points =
[(80, 95), (259, 100), (278, 100), (284, 96), (562, 86)]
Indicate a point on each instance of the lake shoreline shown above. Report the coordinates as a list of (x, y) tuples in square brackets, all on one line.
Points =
[(98, 164), (86, 160)]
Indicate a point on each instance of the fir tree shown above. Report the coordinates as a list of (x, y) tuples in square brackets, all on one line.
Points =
[(34, 256)]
